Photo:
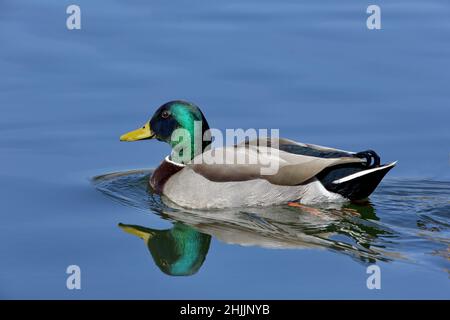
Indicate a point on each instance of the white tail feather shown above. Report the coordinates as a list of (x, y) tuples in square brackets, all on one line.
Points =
[(362, 173)]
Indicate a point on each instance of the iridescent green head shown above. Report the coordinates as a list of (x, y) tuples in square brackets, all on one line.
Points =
[(171, 123)]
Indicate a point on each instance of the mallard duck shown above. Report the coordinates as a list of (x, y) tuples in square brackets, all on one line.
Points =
[(306, 173)]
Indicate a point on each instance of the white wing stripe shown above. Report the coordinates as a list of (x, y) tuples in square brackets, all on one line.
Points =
[(361, 173)]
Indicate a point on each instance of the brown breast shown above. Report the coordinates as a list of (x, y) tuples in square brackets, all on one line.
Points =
[(160, 176)]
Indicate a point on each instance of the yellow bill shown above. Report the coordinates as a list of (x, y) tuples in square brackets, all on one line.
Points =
[(139, 134), (138, 231)]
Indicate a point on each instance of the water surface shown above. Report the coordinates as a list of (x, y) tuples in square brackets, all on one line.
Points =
[(310, 69)]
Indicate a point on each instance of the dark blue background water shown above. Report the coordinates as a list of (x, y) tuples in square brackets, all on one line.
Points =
[(311, 69)]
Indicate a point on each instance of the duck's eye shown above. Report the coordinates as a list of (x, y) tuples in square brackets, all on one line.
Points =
[(165, 114)]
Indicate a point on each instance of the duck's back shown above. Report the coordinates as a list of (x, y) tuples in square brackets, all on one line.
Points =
[(307, 173)]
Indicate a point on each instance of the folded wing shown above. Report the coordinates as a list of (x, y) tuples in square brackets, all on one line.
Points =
[(281, 162)]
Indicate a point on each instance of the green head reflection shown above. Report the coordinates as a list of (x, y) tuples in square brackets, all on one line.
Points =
[(179, 251)]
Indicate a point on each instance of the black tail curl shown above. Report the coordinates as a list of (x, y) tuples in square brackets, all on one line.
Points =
[(371, 157)]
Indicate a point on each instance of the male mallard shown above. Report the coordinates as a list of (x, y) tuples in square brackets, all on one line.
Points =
[(306, 173)]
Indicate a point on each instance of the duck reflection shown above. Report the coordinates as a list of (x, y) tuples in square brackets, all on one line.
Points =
[(350, 229), (179, 251)]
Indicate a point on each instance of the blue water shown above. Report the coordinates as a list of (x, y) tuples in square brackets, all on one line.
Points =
[(310, 69)]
